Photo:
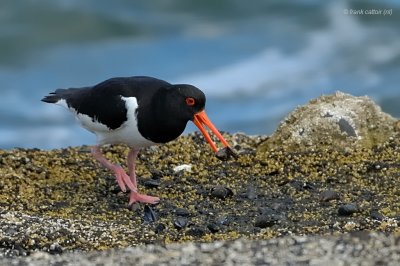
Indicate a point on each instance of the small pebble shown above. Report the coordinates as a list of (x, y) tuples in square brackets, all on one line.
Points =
[(182, 212), (55, 248), (149, 214), (213, 227), (152, 183), (301, 185), (159, 228), (221, 192), (328, 195), (180, 222), (251, 193), (225, 154), (376, 215), (196, 231), (348, 209), (156, 174), (264, 221), (183, 167)]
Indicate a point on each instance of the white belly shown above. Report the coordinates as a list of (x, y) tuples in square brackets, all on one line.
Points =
[(127, 133)]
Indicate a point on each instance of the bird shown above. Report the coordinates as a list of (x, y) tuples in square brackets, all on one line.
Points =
[(138, 111)]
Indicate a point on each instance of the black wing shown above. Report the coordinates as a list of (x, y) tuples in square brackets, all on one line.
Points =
[(103, 102)]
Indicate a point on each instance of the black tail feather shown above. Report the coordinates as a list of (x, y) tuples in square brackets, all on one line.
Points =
[(71, 96), (54, 97)]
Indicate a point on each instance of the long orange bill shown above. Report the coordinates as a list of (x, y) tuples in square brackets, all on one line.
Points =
[(200, 119)]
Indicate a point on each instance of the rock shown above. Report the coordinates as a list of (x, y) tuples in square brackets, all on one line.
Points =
[(181, 212), (348, 209), (337, 121), (183, 167), (152, 183), (196, 231), (73, 206), (328, 195), (213, 227), (226, 153), (149, 214), (376, 215), (264, 221), (342, 249), (221, 192), (159, 228), (180, 222)]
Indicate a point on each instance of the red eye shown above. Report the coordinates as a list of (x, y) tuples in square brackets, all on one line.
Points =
[(190, 101)]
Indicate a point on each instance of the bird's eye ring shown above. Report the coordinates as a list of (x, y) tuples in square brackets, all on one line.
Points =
[(190, 101)]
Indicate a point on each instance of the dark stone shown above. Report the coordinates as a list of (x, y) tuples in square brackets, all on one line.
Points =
[(328, 195), (308, 186), (55, 249), (225, 220), (246, 151), (251, 193), (213, 227), (226, 153), (180, 222), (156, 174), (376, 215), (134, 207), (221, 192), (159, 228), (152, 183), (182, 212), (348, 209), (264, 221), (196, 231), (149, 214), (345, 126), (301, 185)]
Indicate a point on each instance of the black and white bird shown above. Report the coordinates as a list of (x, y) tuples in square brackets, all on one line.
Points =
[(139, 112)]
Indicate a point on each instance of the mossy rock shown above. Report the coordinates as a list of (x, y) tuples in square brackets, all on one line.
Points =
[(338, 121)]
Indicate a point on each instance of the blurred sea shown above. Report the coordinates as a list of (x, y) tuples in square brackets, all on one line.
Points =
[(255, 60)]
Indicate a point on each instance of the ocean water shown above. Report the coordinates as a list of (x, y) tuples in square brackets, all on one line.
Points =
[(256, 61)]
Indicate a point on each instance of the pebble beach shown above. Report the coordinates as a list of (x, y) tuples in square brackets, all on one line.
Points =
[(61, 202)]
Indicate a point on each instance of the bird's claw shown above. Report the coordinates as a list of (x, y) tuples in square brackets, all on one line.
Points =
[(123, 179), (136, 197)]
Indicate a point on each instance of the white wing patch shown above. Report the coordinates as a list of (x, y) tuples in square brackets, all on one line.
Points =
[(128, 133)]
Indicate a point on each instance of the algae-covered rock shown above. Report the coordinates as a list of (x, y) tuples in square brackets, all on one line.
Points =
[(337, 121), (62, 200)]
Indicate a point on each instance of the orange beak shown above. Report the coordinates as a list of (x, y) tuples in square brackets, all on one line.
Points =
[(200, 120)]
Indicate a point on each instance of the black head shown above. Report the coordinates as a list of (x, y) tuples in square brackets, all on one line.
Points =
[(165, 116), (184, 101), (190, 102)]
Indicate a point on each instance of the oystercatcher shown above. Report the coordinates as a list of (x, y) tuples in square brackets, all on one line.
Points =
[(138, 111)]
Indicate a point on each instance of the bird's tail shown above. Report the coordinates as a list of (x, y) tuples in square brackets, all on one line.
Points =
[(54, 97), (64, 94)]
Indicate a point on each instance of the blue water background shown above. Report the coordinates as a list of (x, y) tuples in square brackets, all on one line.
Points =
[(255, 60)]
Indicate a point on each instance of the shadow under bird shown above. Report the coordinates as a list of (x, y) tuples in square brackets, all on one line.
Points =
[(139, 112)]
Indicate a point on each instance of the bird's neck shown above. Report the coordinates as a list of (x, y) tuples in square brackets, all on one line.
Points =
[(160, 123)]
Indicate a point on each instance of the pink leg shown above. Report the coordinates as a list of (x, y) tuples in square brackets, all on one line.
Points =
[(122, 178), (132, 155), (135, 196)]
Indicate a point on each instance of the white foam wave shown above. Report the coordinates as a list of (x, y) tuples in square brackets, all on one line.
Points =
[(344, 48)]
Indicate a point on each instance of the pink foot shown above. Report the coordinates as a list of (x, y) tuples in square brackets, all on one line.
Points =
[(123, 179), (136, 197)]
